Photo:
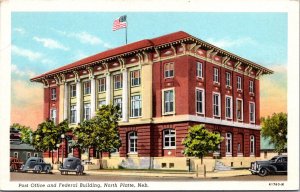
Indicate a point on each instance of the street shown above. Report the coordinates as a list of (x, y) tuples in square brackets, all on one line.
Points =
[(18, 176)]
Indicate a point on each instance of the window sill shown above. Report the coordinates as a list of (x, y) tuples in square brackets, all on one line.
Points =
[(53, 99), (172, 77), (166, 148), (228, 154), (251, 93), (86, 94), (228, 118), (169, 113), (200, 78), (132, 86), (240, 155), (117, 89), (135, 117), (217, 116), (73, 97), (200, 114), (101, 91), (216, 154), (228, 87), (216, 83), (239, 90)]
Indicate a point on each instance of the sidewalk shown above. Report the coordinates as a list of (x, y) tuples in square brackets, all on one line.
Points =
[(162, 173)]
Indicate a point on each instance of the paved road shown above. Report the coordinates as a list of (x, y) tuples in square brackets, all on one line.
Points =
[(15, 176)]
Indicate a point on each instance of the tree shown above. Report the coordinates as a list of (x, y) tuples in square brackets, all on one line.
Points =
[(200, 141), (25, 131), (275, 128), (100, 132)]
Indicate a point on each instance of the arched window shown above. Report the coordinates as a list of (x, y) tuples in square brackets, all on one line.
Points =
[(217, 152), (132, 142), (169, 139), (252, 145), (228, 144)]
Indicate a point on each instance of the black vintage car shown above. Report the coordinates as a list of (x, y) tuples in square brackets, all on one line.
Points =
[(277, 164), (36, 165), (72, 164)]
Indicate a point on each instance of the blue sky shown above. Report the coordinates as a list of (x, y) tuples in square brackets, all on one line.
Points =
[(42, 41)]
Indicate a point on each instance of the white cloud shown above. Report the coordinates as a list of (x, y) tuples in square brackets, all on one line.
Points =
[(26, 53), (20, 30), (50, 43), (21, 73), (226, 42)]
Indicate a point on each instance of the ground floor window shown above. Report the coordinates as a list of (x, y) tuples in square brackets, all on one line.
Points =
[(132, 142), (252, 145), (169, 139), (228, 144), (73, 114)]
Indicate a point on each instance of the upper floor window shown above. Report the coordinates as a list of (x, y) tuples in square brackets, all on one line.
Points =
[(53, 115), (228, 143), (135, 78), (72, 90), (118, 102), (102, 85), (199, 69), (53, 94), (216, 104), (228, 107), (252, 112), (73, 114), (200, 101), (136, 106), (87, 87), (132, 142), (252, 145), (87, 111), (168, 101), (228, 79), (169, 139), (239, 109), (118, 81), (251, 87), (216, 75), (239, 82), (169, 70)]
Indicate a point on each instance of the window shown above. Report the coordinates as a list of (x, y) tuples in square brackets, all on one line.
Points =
[(87, 111), (73, 114), (102, 85), (252, 144), (16, 154), (118, 81), (73, 90), (228, 143), (216, 75), (169, 70), (168, 101), (252, 112), (216, 104), (217, 152), (135, 78), (53, 115), (228, 79), (118, 102), (132, 142), (251, 87), (239, 83), (36, 154), (53, 94), (200, 101), (87, 87), (228, 103), (136, 106), (199, 70), (239, 109), (28, 155), (169, 139), (101, 102)]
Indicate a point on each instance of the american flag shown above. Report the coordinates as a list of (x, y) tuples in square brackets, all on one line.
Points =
[(120, 23)]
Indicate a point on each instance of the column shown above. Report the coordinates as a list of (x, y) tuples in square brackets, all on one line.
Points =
[(108, 89), (125, 96), (66, 99), (93, 96), (146, 83), (61, 97), (78, 101)]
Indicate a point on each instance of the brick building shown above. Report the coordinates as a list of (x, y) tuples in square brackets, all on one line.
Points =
[(163, 86)]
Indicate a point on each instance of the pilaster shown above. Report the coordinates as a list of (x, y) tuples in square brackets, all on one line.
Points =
[(125, 96)]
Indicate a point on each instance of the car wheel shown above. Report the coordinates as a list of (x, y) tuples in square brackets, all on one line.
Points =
[(47, 170), (38, 169), (263, 172)]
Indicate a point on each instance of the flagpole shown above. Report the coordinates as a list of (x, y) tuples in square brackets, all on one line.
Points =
[(126, 30)]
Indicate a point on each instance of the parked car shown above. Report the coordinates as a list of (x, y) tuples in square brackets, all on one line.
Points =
[(15, 164), (36, 165), (277, 164), (72, 164)]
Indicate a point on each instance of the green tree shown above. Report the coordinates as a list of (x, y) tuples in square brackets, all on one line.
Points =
[(275, 128), (26, 132), (100, 132), (200, 141)]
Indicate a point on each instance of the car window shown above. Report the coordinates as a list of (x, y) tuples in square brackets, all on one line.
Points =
[(32, 160), (284, 159), (70, 160), (273, 159)]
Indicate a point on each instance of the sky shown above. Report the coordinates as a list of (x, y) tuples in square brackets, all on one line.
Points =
[(42, 41)]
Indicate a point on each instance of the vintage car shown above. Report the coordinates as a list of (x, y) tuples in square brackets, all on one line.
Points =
[(72, 164), (36, 165), (15, 164), (277, 164)]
